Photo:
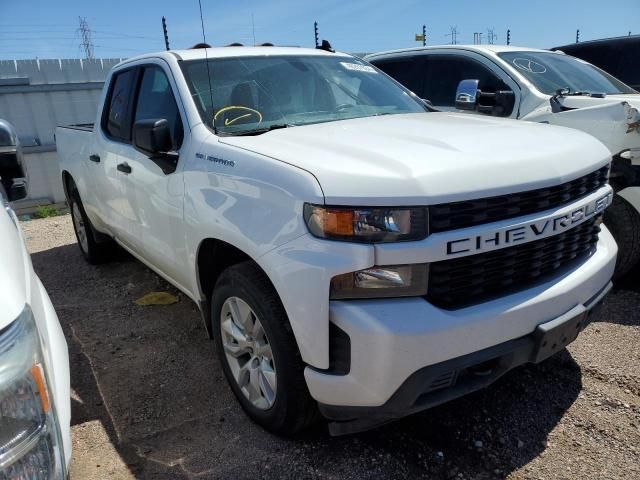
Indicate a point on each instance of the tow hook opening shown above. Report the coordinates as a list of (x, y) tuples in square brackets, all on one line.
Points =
[(485, 368)]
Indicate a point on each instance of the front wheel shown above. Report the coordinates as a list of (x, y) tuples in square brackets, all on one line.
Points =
[(258, 351), (624, 223)]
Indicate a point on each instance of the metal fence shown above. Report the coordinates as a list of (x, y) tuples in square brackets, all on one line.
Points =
[(38, 95)]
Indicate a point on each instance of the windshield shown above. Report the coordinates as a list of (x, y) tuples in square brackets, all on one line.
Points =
[(255, 94), (550, 72)]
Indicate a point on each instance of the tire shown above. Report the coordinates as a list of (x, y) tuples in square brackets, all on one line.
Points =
[(94, 252), (624, 223), (290, 409)]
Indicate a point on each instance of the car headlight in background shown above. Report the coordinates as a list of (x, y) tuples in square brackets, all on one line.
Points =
[(381, 282), (30, 444), (367, 225)]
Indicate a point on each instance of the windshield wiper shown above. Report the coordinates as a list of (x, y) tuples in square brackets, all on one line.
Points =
[(566, 92), (259, 131)]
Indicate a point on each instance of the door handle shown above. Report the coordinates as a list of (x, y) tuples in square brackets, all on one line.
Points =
[(94, 158), (124, 168)]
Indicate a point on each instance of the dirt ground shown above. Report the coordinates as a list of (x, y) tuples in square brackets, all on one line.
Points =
[(149, 399)]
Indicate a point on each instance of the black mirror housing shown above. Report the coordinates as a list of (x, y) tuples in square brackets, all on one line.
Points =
[(152, 136), (11, 164), (17, 191)]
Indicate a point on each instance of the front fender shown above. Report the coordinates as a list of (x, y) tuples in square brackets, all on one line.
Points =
[(616, 124)]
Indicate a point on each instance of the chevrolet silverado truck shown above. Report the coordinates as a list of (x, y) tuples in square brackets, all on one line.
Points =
[(351, 252), (35, 404), (538, 86)]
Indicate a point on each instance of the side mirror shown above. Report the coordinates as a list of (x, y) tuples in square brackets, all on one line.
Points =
[(467, 94), (11, 166), (152, 137)]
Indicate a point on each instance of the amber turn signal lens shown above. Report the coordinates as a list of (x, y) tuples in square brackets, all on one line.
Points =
[(367, 224)]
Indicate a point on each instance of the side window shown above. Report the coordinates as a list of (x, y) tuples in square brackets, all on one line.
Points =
[(409, 71), (444, 73), (156, 100), (115, 120)]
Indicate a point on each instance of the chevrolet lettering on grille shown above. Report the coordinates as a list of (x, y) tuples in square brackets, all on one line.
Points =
[(527, 232)]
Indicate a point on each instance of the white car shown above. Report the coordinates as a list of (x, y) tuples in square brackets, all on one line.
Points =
[(538, 86), (346, 247), (35, 408)]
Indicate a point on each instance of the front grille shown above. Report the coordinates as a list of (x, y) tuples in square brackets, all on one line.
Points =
[(466, 281), (451, 216)]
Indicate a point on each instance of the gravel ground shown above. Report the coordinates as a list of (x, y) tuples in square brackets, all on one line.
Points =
[(149, 399)]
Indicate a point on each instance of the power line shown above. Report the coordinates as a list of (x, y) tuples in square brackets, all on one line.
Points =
[(86, 44)]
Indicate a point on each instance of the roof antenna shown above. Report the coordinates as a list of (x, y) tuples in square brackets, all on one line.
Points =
[(206, 59)]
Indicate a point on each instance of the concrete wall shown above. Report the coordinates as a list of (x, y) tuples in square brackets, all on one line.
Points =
[(38, 95)]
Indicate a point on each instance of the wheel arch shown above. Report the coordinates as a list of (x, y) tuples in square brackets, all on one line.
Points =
[(68, 184), (213, 256)]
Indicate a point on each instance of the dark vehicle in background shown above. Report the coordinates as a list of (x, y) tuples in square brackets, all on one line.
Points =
[(618, 56)]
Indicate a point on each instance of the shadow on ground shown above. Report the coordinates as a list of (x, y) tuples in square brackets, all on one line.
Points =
[(149, 375)]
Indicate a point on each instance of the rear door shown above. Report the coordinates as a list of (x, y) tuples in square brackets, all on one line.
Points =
[(113, 135)]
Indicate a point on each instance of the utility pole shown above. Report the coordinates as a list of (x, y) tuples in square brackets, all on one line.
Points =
[(315, 29), (166, 35), (477, 38), (491, 36), (422, 38), (578, 36), (86, 44), (453, 35), (508, 37)]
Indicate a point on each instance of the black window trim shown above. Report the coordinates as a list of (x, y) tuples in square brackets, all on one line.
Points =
[(138, 84), (106, 107)]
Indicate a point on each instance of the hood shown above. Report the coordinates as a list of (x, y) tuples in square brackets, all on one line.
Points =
[(429, 158), (583, 102), (14, 264)]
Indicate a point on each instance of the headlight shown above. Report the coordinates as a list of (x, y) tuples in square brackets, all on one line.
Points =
[(30, 446), (367, 225), (381, 282)]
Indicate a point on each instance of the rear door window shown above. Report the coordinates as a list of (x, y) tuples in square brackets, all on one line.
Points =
[(409, 71), (116, 119)]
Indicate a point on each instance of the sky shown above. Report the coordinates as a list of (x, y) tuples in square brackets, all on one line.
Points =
[(120, 28)]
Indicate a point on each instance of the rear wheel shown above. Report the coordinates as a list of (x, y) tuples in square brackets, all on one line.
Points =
[(258, 351), (94, 252), (624, 223)]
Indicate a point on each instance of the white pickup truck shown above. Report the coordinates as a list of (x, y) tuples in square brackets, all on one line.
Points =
[(35, 405), (348, 249), (538, 86)]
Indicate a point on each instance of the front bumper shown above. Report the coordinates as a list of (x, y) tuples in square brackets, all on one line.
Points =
[(400, 347), (437, 384)]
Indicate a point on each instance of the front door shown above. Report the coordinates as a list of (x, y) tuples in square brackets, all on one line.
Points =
[(155, 192)]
